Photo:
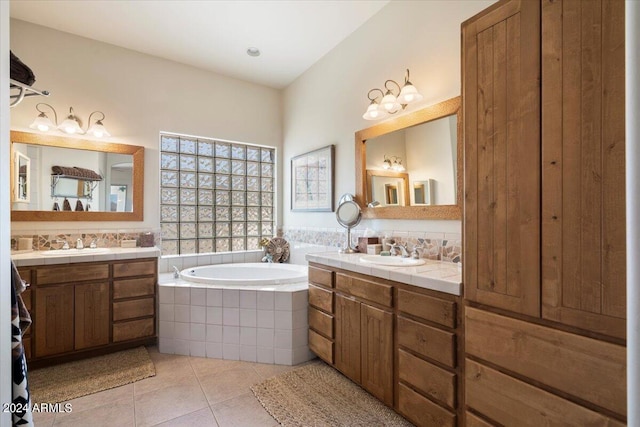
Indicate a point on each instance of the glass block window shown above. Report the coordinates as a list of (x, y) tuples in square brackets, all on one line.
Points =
[(215, 196)]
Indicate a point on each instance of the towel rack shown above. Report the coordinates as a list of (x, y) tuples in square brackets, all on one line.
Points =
[(22, 91)]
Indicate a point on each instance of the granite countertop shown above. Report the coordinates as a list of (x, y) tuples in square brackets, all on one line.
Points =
[(29, 258), (435, 275)]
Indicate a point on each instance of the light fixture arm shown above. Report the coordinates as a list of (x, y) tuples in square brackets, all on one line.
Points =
[(389, 89), (99, 120), (72, 116), (43, 114), (375, 98)]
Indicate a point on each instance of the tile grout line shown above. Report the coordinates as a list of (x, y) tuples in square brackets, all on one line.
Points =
[(204, 393)]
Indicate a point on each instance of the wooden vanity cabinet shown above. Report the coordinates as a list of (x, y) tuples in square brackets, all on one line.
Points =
[(397, 341), (85, 309), (544, 223)]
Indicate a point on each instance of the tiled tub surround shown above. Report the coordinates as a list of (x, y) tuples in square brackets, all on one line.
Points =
[(438, 246), (265, 324), (435, 275)]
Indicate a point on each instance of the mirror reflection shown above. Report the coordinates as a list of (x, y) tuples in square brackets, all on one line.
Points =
[(22, 168), (77, 180), (72, 179), (426, 152)]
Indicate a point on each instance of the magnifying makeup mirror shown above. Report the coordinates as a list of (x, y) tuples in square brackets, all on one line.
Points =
[(348, 215)]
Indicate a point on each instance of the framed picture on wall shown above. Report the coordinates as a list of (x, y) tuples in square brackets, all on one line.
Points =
[(312, 181)]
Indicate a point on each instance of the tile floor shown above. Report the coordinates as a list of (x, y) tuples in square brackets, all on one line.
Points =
[(186, 391)]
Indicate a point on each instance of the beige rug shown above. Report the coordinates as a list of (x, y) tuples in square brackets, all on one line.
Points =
[(74, 379), (318, 395)]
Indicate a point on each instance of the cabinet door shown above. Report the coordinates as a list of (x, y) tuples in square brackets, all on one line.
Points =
[(92, 315), (54, 320), (583, 251), (501, 92), (377, 352), (347, 342)]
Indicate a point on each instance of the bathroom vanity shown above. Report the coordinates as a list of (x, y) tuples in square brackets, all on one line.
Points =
[(393, 330), (85, 305)]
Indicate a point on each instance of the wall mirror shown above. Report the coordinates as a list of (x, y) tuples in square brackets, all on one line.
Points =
[(21, 176), (78, 180), (411, 167)]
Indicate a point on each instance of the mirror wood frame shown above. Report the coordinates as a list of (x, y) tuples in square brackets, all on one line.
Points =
[(83, 144), (433, 112)]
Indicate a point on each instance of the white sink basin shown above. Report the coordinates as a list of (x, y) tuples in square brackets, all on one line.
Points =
[(75, 252), (391, 260)]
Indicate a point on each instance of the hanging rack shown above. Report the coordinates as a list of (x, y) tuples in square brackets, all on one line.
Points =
[(23, 91)]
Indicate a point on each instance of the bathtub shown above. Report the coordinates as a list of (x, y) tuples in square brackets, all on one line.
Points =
[(255, 312), (257, 275)]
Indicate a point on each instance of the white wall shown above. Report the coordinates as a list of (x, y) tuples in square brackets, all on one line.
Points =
[(140, 96), (325, 105)]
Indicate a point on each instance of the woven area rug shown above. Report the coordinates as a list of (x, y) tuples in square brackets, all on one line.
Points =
[(64, 382), (318, 395)]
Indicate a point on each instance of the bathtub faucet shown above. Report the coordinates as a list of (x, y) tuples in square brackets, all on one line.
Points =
[(176, 272)]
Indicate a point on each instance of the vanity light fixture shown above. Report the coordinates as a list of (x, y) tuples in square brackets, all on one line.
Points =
[(396, 165), (71, 125), (97, 129), (43, 123), (391, 102)]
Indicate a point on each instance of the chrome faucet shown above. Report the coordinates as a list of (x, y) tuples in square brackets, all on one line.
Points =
[(65, 245), (79, 244), (417, 249), (402, 248), (176, 272), (93, 244)]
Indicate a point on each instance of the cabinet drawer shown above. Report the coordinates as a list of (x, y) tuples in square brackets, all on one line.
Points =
[(427, 308), (587, 368), (133, 308), (138, 268), (427, 341), (25, 274), (321, 276), (321, 346), (473, 420), (375, 292), (321, 298), (427, 378), (134, 329), (72, 273), (134, 287), (321, 322), (509, 401), (421, 411)]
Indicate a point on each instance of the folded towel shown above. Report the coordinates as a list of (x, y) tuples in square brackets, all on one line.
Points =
[(66, 206), (79, 207), (76, 172)]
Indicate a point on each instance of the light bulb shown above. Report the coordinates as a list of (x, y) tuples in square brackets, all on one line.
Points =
[(43, 128)]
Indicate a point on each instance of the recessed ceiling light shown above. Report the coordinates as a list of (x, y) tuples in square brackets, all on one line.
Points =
[(253, 51)]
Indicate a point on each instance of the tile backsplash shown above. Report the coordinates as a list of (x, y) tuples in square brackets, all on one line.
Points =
[(438, 246), (46, 240)]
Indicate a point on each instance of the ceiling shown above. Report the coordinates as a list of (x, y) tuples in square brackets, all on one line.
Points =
[(212, 34)]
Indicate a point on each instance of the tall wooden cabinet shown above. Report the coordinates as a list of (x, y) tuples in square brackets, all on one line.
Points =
[(501, 88), (583, 137), (544, 220)]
